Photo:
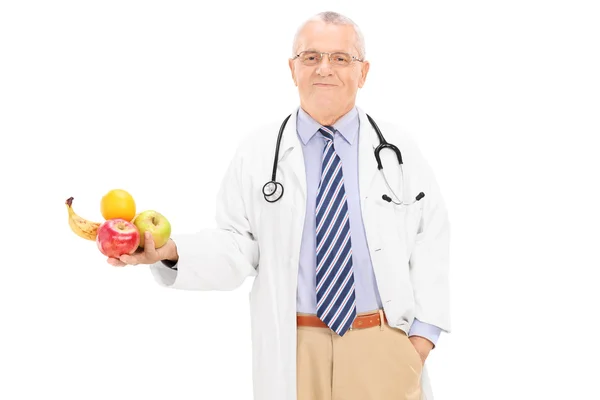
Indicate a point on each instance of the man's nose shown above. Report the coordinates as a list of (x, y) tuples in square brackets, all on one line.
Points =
[(324, 68)]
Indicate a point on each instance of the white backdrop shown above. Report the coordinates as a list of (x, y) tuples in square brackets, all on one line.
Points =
[(502, 97)]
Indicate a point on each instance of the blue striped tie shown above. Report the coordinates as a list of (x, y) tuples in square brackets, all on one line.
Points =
[(335, 279)]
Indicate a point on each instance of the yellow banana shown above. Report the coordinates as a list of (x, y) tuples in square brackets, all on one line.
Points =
[(81, 226)]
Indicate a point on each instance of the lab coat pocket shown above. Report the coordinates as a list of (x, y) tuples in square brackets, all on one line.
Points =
[(408, 220), (275, 215), (398, 224), (387, 221)]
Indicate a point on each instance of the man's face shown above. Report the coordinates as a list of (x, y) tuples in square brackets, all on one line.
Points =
[(326, 87)]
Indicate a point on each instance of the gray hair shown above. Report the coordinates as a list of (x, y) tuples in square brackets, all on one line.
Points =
[(331, 17)]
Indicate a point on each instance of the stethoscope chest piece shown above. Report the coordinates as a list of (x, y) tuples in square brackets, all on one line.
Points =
[(272, 191)]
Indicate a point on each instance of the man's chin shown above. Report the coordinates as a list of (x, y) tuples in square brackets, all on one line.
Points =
[(327, 102)]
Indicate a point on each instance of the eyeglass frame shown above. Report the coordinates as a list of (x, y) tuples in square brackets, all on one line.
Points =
[(329, 56)]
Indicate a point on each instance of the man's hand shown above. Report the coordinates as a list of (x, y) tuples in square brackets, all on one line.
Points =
[(149, 255), (422, 345)]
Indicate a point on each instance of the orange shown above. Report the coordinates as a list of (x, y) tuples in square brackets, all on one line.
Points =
[(117, 203)]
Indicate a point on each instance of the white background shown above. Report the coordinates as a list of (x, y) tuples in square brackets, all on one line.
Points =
[(153, 97)]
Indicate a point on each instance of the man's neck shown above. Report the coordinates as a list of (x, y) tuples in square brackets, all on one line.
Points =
[(327, 117)]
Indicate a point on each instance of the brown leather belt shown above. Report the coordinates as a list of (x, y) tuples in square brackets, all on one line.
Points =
[(360, 322)]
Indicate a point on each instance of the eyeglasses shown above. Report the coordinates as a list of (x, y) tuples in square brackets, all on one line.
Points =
[(314, 57)]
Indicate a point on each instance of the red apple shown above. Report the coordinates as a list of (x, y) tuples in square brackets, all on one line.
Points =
[(117, 237)]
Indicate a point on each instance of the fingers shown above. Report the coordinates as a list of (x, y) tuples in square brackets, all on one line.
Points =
[(132, 259), (149, 247), (115, 262), (147, 255)]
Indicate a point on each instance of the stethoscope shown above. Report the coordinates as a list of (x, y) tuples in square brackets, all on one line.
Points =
[(273, 190)]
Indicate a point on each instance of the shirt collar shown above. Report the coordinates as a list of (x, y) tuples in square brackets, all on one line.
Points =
[(347, 126)]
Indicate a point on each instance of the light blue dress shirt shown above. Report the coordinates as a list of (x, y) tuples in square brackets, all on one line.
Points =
[(346, 146)]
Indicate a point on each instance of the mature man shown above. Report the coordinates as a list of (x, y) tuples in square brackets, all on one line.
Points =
[(351, 290)]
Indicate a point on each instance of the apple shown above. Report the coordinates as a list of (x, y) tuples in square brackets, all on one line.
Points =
[(155, 223), (117, 237)]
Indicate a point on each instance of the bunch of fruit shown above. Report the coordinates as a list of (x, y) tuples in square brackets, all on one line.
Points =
[(122, 231)]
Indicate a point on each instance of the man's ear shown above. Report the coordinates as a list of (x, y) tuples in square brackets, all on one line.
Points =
[(291, 64), (364, 71)]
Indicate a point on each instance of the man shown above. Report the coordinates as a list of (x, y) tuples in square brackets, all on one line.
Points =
[(350, 292)]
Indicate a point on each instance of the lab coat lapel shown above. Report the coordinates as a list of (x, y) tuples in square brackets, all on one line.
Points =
[(367, 165), (291, 166), (292, 157)]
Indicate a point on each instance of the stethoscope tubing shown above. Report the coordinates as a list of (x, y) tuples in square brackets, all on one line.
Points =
[(273, 187)]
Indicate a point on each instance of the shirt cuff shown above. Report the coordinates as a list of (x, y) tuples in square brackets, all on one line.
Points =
[(428, 331), (170, 264)]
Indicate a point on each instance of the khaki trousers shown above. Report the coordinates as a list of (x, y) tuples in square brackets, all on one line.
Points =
[(376, 363)]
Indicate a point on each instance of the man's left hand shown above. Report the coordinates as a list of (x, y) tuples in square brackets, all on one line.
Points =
[(422, 345)]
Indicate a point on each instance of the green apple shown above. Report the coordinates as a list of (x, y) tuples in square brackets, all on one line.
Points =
[(155, 223)]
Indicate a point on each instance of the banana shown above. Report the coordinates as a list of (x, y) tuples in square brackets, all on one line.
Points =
[(81, 226)]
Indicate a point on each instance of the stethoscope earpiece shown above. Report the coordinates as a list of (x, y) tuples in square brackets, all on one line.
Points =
[(389, 199)]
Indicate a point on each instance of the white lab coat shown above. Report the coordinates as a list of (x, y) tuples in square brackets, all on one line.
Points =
[(409, 247)]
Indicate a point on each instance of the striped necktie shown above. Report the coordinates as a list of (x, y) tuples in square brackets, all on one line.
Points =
[(335, 278)]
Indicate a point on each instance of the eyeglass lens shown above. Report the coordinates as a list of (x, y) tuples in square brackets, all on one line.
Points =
[(313, 57)]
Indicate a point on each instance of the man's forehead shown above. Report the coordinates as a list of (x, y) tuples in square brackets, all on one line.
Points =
[(318, 36), (326, 43), (331, 50)]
